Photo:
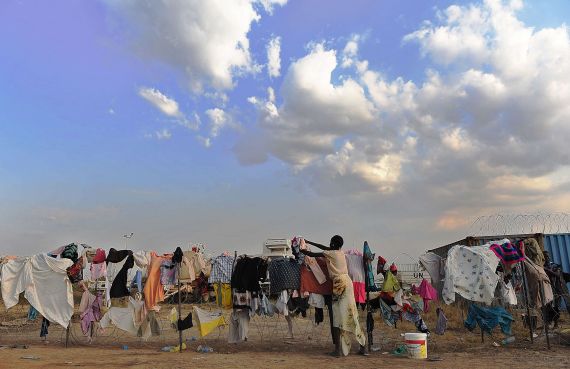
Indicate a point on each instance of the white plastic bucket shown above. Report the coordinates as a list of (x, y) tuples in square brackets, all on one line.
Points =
[(416, 343)]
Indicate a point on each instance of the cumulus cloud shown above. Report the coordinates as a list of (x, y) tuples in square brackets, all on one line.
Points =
[(274, 57), (207, 40), (490, 116), (163, 134)]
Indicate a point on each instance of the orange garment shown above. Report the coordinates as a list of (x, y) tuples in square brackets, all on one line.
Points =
[(153, 290)]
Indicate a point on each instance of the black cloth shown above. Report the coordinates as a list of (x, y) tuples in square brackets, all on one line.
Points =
[(319, 315), (44, 328), (115, 256), (185, 323), (177, 256), (247, 274), (298, 305), (284, 274), (119, 286)]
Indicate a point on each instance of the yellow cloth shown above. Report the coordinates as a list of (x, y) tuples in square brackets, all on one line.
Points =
[(208, 321), (225, 294), (345, 313), (391, 284)]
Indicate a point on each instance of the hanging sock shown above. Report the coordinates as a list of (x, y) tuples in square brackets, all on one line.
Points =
[(44, 328), (32, 313)]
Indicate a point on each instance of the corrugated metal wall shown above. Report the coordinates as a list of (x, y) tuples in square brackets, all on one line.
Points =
[(558, 245)]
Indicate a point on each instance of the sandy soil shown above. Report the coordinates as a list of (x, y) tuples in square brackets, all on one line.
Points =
[(268, 346), (93, 357)]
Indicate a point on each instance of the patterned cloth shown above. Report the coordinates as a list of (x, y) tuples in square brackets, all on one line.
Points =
[(168, 273), (345, 313), (507, 252), (221, 269), (441, 324), (470, 272), (391, 284), (368, 269), (284, 274)]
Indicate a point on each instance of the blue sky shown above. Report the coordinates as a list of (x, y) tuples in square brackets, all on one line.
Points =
[(396, 122)]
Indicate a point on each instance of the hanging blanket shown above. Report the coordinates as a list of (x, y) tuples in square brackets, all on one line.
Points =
[(470, 272)]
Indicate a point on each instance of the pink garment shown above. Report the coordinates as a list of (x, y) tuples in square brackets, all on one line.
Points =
[(354, 252), (98, 270), (359, 292), (316, 269), (427, 292), (90, 309)]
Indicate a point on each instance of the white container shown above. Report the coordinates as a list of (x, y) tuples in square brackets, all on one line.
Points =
[(416, 343)]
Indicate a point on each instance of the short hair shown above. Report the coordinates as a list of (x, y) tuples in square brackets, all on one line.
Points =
[(337, 241)]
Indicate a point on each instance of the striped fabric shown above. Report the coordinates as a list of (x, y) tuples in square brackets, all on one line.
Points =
[(508, 253)]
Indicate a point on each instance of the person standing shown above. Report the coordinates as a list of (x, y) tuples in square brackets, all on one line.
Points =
[(345, 313)]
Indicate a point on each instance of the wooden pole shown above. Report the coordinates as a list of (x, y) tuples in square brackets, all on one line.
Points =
[(525, 290), (544, 314), (67, 334), (179, 310)]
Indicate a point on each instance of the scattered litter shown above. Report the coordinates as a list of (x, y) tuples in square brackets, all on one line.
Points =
[(385, 353), (166, 348), (434, 358), (4, 347), (495, 344), (30, 357), (204, 349), (508, 340), (375, 348), (177, 347), (125, 347)]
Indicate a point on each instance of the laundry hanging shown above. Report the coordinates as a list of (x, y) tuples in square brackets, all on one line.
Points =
[(45, 284)]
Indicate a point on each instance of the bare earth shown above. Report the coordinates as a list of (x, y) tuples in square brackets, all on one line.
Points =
[(268, 347)]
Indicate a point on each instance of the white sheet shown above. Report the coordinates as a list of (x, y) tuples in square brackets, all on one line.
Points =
[(44, 281), (470, 272)]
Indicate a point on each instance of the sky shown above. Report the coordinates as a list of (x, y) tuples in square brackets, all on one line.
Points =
[(227, 123)]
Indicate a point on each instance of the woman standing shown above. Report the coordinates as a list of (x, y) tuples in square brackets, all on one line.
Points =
[(345, 313)]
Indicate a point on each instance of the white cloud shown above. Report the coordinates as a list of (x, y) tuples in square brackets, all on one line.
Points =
[(206, 40), (163, 134), (160, 101), (169, 107), (274, 57), (218, 120), (490, 115)]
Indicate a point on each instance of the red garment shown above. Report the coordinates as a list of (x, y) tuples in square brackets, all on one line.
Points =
[(310, 284), (99, 256), (359, 292)]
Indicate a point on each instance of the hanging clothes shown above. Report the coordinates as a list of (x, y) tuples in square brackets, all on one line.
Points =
[(131, 319), (533, 251), (470, 272), (70, 252), (221, 269), (98, 267), (284, 274), (153, 290), (309, 282), (368, 258), (207, 321), (441, 324), (137, 281), (198, 263), (32, 313), (168, 273), (45, 284), (507, 253), (488, 318), (380, 266), (434, 265), (44, 328), (239, 326), (223, 292), (247, 274), (89, 310), (391, 284), (185, 323), (428, 293), (355, 264), (536, 276), (119, 283)]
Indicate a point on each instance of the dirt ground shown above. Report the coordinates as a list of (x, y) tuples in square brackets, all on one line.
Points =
[(94, 357), (269, 347)]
